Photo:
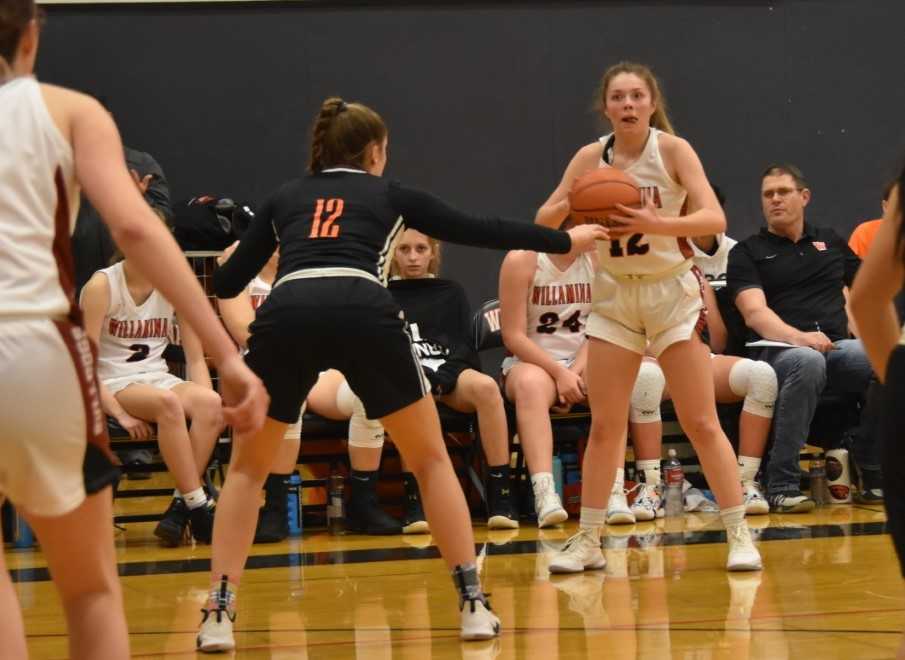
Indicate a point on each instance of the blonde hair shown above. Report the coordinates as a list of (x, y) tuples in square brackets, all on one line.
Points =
[(341, 133), (433, 267), (660, 118)]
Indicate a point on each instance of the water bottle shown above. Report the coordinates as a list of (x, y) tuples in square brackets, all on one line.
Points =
[(817, 473), (336, 508), (673, 479), (293, 505)]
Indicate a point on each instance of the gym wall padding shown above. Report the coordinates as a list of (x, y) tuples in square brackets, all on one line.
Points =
[(486, 102)]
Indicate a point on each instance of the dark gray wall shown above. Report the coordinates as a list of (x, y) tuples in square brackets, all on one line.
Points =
[(486, 102)]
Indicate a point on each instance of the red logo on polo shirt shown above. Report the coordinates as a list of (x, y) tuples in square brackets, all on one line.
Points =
[(820, 245)]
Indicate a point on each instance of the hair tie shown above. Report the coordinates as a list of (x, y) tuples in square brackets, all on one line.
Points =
[(342, 107)]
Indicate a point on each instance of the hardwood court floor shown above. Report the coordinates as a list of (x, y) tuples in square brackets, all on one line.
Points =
[(830, 589)]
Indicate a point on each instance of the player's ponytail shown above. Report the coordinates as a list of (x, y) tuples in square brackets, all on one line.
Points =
[(14, 17), (341, 133), (660, 118)]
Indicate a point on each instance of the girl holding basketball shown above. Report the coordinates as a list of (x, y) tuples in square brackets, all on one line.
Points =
[(647, 298), (329, 309)]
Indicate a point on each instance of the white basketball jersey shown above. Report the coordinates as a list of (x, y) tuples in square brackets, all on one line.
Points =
[(133, 337), (648, 254), (559, 302), (714, 266), (36, 162)]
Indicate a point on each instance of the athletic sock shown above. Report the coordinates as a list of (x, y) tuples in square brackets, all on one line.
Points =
[(536, 478), (733, 516), (650, 468), (748, 467), (196, 498), (592, 520)]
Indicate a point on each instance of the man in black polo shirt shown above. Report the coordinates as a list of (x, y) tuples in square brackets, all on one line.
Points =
[(790, 282)]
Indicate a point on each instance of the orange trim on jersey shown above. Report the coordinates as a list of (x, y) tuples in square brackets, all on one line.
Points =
[(684, 247)]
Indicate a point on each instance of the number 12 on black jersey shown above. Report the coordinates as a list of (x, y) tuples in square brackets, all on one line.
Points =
[(324, 228)]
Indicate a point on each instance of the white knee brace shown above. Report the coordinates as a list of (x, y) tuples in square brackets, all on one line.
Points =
[(363, 432), (756, 381), (647, 394), (345, 399)]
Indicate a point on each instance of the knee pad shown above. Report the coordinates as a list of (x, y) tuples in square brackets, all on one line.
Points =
[(756, 381), (363, 432), (647, 394), (345, 399)]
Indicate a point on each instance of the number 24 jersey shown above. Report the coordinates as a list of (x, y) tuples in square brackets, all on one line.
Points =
[(559, 302)]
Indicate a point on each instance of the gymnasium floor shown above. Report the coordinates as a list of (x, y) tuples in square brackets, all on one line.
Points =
[(831, 589)]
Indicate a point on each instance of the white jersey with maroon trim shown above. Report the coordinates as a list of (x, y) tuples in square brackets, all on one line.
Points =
[(133, 337), (36, 161), (714, 266), (559, 302), (647, 254)]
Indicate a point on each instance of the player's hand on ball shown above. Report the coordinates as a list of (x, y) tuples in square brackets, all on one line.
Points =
[(644, 220), (244, 397), (585, 237)]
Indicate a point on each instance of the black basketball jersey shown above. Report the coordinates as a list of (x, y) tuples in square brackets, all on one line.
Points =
[(347, 219)]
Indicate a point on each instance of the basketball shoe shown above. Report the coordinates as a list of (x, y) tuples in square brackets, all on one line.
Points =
[(216, 632), (500, 511), (413, 519), (647, 505), (478, 620), (364, 514), (546, 502), (201, 522), (580, 553), (755, 504), (743, 556), (171, 529), (791, 503)]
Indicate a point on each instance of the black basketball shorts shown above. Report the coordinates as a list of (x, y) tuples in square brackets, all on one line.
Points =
[(346, 323)]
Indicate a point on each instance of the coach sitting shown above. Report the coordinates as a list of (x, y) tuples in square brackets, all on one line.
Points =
[(790, 282)]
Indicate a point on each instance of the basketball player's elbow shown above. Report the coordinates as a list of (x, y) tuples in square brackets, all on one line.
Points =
[(716, 220), (128, 232)]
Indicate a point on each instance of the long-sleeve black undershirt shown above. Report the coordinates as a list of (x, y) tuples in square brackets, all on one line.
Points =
[(367, 210)]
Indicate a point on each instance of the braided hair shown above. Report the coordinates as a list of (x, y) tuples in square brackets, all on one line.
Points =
[(341, 133)]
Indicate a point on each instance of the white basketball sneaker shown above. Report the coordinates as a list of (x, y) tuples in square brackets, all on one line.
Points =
[(647, 504), (478, 621), (547, 503), (755, 504), (743, 556), (216, 631), (617, 509), (580, 553)]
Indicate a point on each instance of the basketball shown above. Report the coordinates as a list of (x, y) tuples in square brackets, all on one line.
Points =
[(594, 196)]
